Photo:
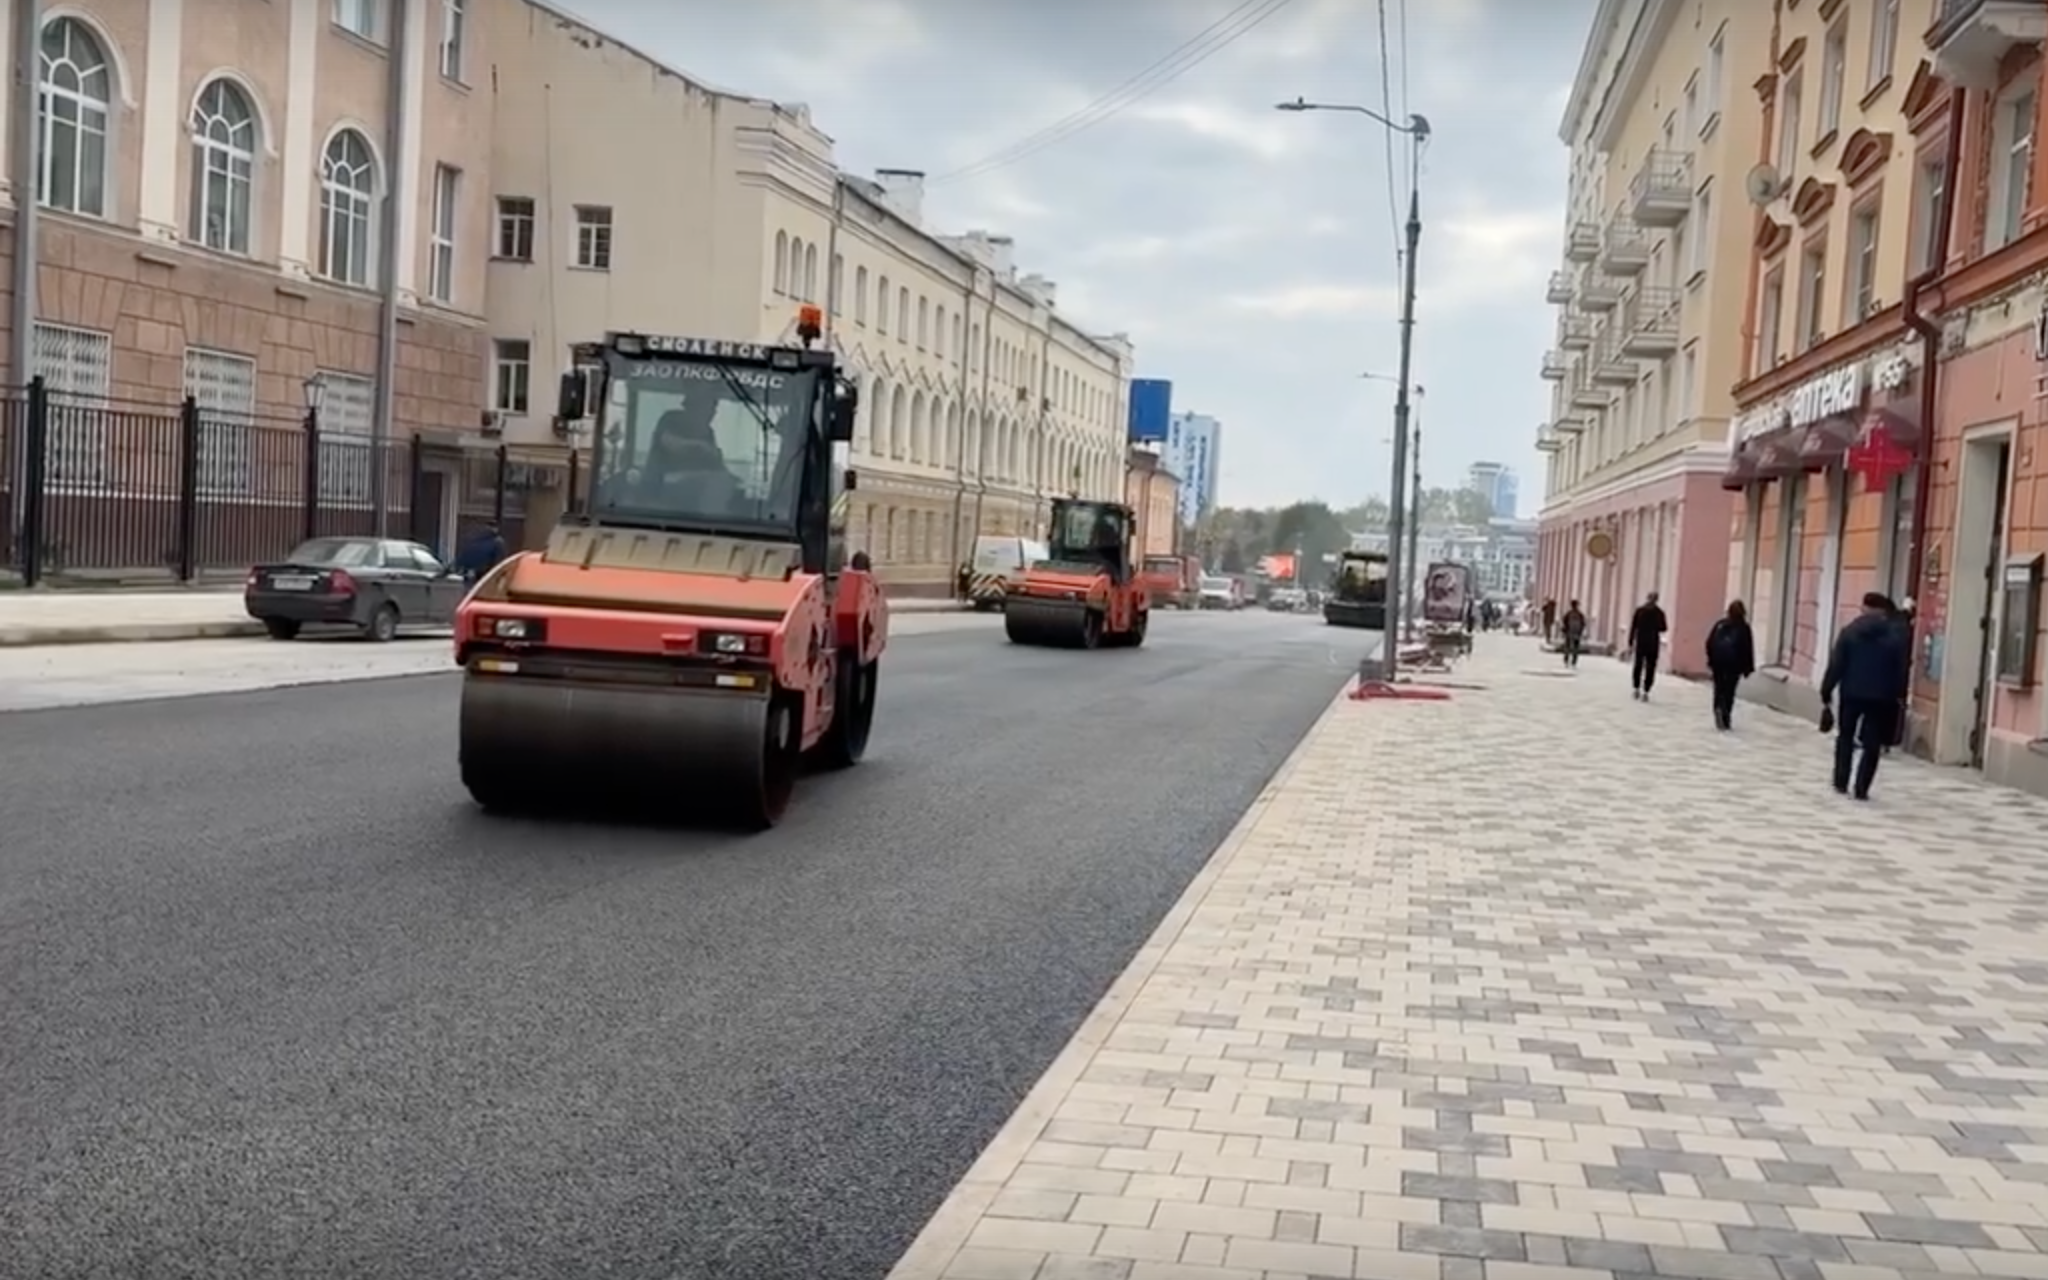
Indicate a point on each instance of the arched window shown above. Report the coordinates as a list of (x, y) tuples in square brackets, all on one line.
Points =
[(860, 295), (75, 103), (782, 262), (348, 208), (882, 307), (223, 167), (810, 293)]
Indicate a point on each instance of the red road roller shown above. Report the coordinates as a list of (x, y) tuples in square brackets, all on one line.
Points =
[(694, 636), (1087, 593)]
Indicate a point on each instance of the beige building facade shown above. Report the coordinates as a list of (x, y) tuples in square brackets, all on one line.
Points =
[(980, 401), (1662, 130), (1152, 492), (238, 197)]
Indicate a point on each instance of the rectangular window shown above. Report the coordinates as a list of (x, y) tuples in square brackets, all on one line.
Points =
[(515, 228), (1861, 299), (224, 388), (924, 323), (1689, 384), (1834, 77), (594, 237), (1813, 279), (1884, 43), (511, 376), (1770, 315), (1788, 127), (348, 419), (1717, 60), (1703, 218), (358, 17), (2012, 163), (903, 313), (453, 20), (882, 307), (441, 264), (1930, 185), (1692, 107), (1900, 498), (860, 295), (1791, 554), (77, 368)]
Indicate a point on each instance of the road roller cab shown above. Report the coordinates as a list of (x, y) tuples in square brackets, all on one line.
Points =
[(694, 634), (1358, 593), (1087, 593)]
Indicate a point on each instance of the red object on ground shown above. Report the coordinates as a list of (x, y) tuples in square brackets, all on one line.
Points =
[(1374, 690)]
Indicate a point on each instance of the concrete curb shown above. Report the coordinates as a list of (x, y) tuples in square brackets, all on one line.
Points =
[(17, 637), (947, 1232)]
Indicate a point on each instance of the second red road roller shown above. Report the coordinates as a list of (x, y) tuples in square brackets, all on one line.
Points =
[(1087, 593), (695, 637)]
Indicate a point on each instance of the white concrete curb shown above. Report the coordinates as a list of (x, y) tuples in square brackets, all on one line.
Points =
[(965, 1205)]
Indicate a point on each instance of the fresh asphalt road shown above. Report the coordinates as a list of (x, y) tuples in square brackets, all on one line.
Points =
[(279, 1001)]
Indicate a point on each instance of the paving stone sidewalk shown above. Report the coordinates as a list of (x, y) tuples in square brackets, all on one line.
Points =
[(1545, 984)]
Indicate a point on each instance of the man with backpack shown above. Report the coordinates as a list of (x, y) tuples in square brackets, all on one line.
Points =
[(1573, 628), (1646, 641)]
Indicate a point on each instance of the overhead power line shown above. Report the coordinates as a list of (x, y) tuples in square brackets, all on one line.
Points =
[(1196, 50)]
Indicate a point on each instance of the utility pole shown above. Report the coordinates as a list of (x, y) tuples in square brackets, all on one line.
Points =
[(1390, 657), (1415, 525), (26, 161)]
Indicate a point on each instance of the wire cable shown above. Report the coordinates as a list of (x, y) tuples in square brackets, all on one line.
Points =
[(1387, 111), (1190, 54)]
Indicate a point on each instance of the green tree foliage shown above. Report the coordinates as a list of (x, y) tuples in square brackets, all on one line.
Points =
[(1231, 539)]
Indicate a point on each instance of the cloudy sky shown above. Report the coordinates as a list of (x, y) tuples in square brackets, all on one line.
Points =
[(1250, 253)]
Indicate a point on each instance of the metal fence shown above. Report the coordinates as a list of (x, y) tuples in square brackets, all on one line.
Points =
[(94, 488)]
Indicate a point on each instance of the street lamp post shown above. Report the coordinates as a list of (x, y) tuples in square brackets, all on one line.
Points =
[(1417, 128), (1414, 558), (315, 389)]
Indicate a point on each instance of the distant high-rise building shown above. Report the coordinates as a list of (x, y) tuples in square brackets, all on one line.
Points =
[(1496, 481), (1194, 445)]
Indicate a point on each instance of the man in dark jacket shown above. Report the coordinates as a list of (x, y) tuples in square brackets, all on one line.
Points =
[(1573, 628), (1731, 659), (1549, 619), (1871, 668), (481, 553), (1646, 640)]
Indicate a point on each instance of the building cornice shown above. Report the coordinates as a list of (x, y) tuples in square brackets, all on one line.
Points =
[(1645, 39), (1598, 38)]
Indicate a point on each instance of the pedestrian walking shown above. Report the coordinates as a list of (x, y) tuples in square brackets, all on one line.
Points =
[(1573, 628), (1646, 641), (1871, 669), (1549, 619), (1731, 659), (482, 552)]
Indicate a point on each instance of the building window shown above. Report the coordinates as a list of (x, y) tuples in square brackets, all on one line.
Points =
[(1701, 244), (835, 288), (1884, 43), (223, 167), (357, 17), (1792, 527), (441, 267), (924, 323), (594, 237), (2012, 162), (860, 295), (453, 20), (348, 208), (1834, 77), (1788, 126), (810, 292), (1769, 321), (1813, 279), (780, 280), (1689, 384), (1692, 107), (882, 307), (1717, 60), (1930, 185), (348, 418), (1900, 500), (511, 376), (223, 386), (903, 313), (78, 366), (515, 228), (77, 92), (1861, 299)]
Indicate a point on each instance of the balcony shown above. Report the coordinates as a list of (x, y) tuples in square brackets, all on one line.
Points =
[(1970, 38), (1627, 251), (1588, 394), (1650, 324), (1598, 295), (1562, 288), (1660, 195), (1555, 367), (1575, 333), (1581, 242), (1611, 367), (1547, 440), (1569, 423)]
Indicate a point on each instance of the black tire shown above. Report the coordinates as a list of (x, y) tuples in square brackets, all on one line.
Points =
[(782, 760), (853, 714), (1091, 630), (282, 628), (383, 625), (1135, 637)]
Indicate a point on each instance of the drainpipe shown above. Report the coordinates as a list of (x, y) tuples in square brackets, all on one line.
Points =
[(397, 189), (960, 451), (983, 430), (1930, 340)]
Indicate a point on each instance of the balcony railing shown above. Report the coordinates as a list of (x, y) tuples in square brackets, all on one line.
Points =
[(1569, 423), (1611, 366), (1970, 38), (1581, 242), (1651, 324), (1588, 394), (1547, 439), (1598, 294), (1660, 194), (1555, 367), (1561, 288), (1626, 251)]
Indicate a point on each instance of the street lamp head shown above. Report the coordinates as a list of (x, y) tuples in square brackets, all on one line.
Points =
[(1419, 127), (1299, 104), (316, 390)]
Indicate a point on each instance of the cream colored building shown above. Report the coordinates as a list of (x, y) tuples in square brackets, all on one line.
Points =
[(223, 186), (979, 400), (1662, 128)]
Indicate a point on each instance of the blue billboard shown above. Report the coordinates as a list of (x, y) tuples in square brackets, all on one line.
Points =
[(1151, 409)]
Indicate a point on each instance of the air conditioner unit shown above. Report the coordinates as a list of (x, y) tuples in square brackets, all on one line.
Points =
[(491, 423)]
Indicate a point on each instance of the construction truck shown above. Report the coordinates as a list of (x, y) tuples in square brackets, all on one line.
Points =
[(1173, 582), (696, 635), (1087, 593), (1358, 592)]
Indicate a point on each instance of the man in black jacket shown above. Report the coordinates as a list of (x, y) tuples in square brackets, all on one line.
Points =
[(1871, 667), (1646, 638)]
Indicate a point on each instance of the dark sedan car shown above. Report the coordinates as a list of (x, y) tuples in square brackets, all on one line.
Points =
[(373, 585)]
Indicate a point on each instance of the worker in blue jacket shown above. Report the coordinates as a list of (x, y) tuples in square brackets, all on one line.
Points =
[(1871, 671)]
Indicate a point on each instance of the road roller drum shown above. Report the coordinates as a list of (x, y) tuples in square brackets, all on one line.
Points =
[(1057, 624)]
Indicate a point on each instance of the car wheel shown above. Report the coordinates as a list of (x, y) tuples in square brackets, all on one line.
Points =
[(383, 626), (281, 628)]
